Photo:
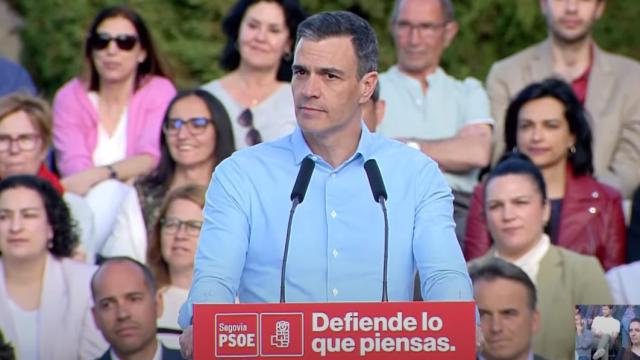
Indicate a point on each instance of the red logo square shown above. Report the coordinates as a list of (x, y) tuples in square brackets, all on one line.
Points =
[(236, 335), (282, 334)]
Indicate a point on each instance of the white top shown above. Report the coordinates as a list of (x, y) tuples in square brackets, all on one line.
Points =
[(274, 117), (530, 262), (26, 325), (607, 325), (110, 149), (172, 298)]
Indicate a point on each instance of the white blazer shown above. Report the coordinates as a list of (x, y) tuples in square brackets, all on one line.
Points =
[(623, 282), (67, 329)]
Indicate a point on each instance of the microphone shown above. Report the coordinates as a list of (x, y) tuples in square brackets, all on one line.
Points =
[(380, 196), (297, 196)]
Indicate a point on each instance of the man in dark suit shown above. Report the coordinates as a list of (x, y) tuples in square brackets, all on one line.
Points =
[(126, 308), (509, 317)]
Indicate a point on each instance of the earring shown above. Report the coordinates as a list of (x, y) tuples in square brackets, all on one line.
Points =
[(287, 56), (572, 149), (515, 149), (50, 244)]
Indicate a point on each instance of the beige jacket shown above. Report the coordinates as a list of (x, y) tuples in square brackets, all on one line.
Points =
[(565, 279), (613, 101)]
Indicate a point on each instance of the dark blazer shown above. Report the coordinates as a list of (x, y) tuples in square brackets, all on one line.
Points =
[(167, 354)]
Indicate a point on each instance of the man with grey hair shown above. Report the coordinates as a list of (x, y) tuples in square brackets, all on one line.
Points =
[(336, 253), (445, 118)]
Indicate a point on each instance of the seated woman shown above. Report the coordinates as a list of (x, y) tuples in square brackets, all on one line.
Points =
[(25, 136), (172, 248), (258, 53), (45, 298), (632, 348), (548, 124), (107, 126), (516, 208), (197, 137)]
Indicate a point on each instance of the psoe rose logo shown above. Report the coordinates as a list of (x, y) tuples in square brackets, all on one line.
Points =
[(282, 334)]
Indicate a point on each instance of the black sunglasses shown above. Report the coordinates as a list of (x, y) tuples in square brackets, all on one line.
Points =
[(100, 41), (195, 125), (246, 119)]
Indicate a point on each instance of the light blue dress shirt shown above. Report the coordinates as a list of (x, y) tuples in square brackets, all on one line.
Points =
[(448, 106), (337, 237)]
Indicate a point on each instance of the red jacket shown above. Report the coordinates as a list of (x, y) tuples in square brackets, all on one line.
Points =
[(591, 222)]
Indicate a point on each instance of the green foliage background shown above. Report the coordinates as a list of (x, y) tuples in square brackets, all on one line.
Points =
[(189, 37)]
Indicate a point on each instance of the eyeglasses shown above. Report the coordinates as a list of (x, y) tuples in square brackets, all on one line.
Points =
[(125, 42), (424, 29), (245, 119), (26, 142), (195, 125), (172, 226)]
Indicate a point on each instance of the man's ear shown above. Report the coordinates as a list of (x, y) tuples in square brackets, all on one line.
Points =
[(367, 86), (159, 305), (535, 321), (450, 31)]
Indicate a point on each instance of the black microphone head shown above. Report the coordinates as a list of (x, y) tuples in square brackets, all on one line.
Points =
[(302, 181), (375, 180)]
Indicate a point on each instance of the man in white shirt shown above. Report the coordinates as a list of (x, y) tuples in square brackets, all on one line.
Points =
[(605, 329)]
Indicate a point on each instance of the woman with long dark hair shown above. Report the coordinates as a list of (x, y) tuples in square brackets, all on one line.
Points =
[(547, 123)]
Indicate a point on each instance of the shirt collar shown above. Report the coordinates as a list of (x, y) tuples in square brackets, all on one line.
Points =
[(529, 357), (156, 356), (301, 149), (433, 77)]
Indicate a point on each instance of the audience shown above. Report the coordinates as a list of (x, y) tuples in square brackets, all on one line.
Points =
[(126, 308), (15, 78), (516, 208), (547, 123), (631, 349), (107, 125), (44, 296), (605, 83), (445, 118), (258, 54), (196, 137), (25, 137), (507, 302), (172, 248)]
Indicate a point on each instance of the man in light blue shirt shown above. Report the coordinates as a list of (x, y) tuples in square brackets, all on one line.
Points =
[(447, 119), (337, 242)]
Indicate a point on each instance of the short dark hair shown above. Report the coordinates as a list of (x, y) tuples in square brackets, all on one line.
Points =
[(149, 280), (343, 23), (161, 177), (448, 11), (574, 112), (230, 58), (65, 238), (496, 268), (517, 163), (152, 64)]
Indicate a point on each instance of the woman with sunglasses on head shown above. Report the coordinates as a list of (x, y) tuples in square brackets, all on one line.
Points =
[(45, 298), (258, 54), (107, 124), (172, 247), (547, 123), (196, 138)]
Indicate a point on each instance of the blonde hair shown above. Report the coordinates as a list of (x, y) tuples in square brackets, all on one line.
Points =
[(36, 108)]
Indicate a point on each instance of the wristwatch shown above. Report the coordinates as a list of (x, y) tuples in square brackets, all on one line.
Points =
[(112, 172), (413, 144)]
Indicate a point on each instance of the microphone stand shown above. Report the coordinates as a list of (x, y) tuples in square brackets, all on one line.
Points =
[(294, 204)]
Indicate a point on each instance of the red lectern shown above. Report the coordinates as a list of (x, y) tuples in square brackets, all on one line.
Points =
[(404, 330)]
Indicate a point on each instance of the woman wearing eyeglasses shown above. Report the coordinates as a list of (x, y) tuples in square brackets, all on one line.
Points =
[(172, 248), (258, 54), (196, 138), (107, 123)]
